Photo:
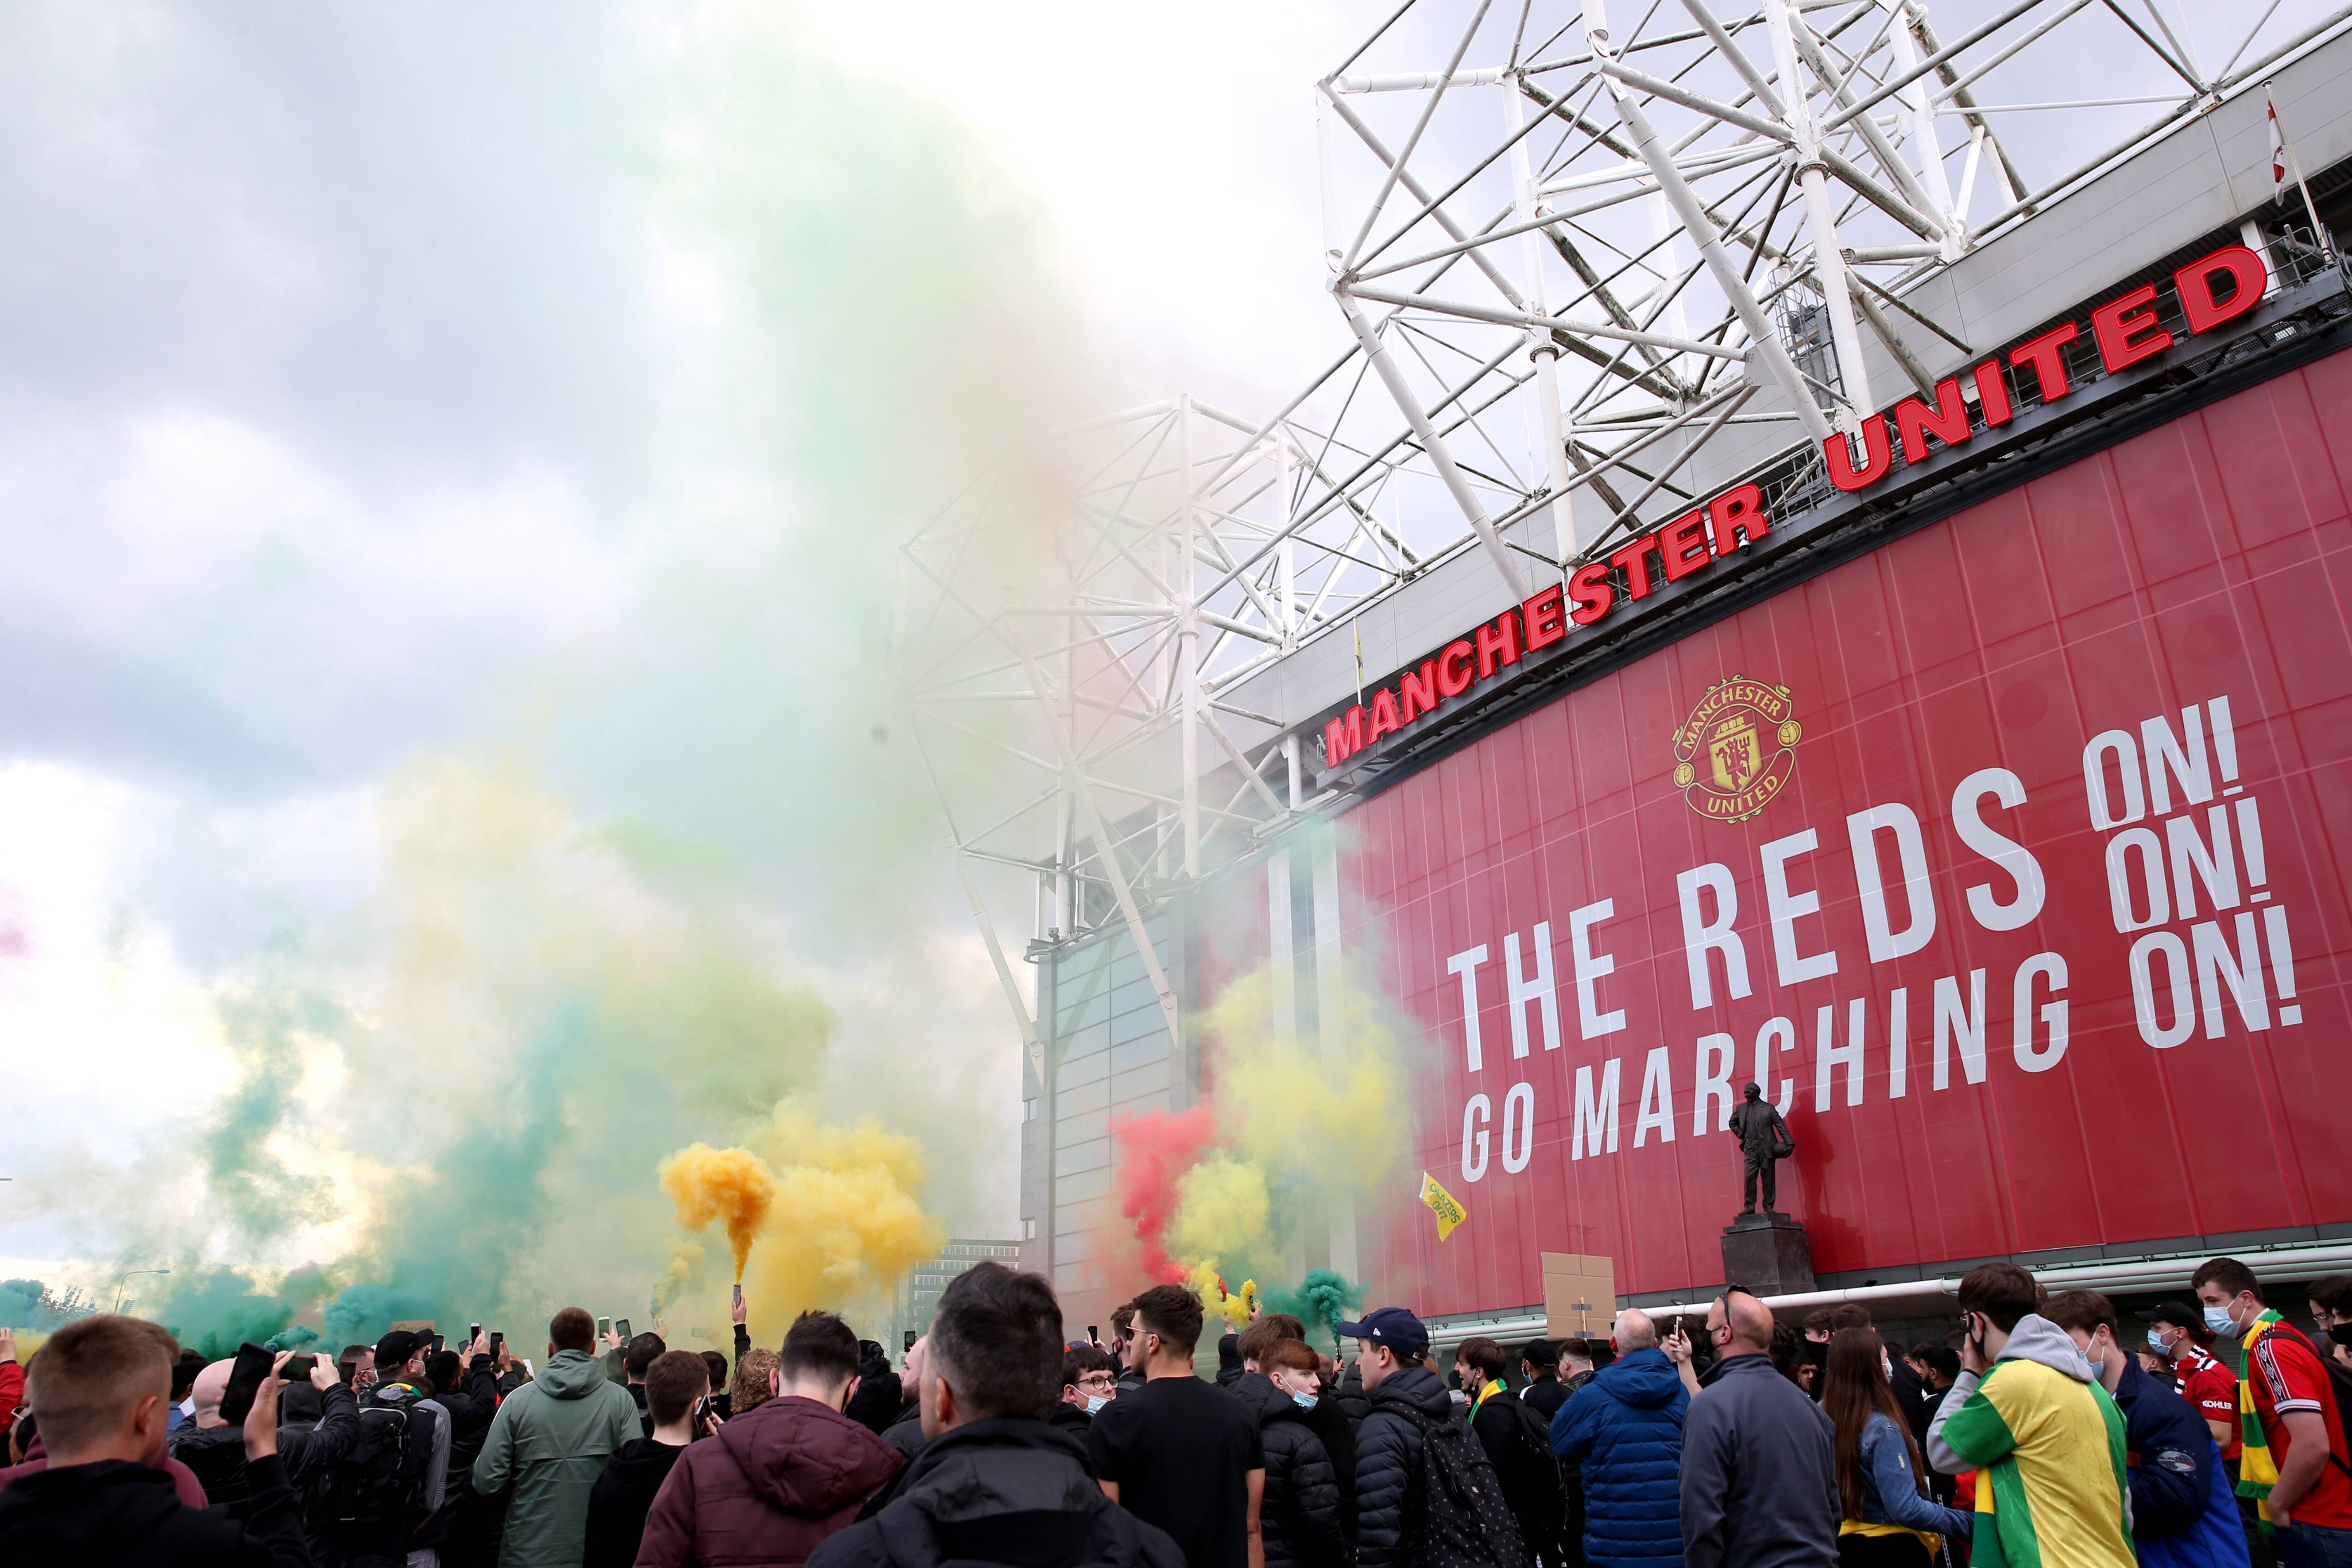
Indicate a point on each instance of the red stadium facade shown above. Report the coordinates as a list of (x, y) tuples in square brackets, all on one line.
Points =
[(2008, 856)]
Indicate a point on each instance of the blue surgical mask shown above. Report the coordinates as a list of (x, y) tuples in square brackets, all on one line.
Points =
[(1095, 1402), (2218, 1319), (2155, 1342), (1304, 1401)]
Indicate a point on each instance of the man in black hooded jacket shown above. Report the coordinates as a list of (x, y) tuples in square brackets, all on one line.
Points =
[(995, 1483), (1299, 1516), (1390, 1449)]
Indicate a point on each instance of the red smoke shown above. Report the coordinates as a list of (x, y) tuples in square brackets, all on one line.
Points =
[(1154, 1151)]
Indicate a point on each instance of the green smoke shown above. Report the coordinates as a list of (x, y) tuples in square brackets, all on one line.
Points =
[(249, 1184), (578, 960), (1323, 1298)]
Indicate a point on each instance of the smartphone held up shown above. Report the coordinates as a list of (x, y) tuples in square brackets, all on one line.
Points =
[(244, 1374)]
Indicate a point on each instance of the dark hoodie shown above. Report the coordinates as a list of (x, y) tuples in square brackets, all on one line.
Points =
[(879, 1392), (622, 1497), (1388, 1459), (115, 1514), (1299, 1514), (1005, 1491), (767, 1489)]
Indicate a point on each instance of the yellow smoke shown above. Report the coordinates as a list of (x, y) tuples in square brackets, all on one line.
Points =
[(731, 1186), (1302, 1118), (1293, 1127), (1221, 1212), (845, 1221)]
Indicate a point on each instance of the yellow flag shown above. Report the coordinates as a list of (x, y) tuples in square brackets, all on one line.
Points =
[(1442, 1203)]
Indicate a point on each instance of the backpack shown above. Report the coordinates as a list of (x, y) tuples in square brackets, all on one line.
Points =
[(1466, 1523), (366, 1500), (1531, 1452), (2339, 1381)]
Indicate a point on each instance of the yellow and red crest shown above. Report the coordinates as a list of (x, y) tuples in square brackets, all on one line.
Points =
[(1737, 751)]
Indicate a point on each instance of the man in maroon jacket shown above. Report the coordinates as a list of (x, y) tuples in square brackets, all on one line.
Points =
[(775, 1482)]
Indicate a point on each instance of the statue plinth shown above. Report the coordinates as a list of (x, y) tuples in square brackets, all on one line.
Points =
[(1768, 1254)]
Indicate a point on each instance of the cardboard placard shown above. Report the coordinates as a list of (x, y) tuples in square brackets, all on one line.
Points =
[(1579, 1295)]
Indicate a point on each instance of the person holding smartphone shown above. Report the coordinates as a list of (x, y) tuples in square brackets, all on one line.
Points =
[(2028, 1413), (678, 1398), (103, 1384)]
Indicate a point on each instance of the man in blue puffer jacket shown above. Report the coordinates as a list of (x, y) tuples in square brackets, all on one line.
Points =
[(1625, 1429)]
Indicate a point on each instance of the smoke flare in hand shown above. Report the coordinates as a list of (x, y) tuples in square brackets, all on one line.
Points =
[(733, 1185)]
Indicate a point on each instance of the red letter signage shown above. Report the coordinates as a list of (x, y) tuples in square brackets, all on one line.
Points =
[(2194, 282), (2126, 330)]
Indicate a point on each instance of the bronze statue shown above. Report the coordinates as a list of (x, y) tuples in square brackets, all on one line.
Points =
[(1764, 1139)]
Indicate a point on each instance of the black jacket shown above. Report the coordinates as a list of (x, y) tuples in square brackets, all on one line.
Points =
[(1004, 1489), (904, 1435), (1339, 1435), (1229, 1360), (880, 1395), (622, 1497), (1300, 1515), (1523, 1463), (307, 1442), (1388, 1460), (471, 1405), (115, 1514), (215, 1456), (1545, 1395), (1758, 1476), (1352, 1402)]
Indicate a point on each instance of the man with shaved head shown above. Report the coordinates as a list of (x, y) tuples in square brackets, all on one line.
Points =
[(1758, 1476), (1623, 1430)]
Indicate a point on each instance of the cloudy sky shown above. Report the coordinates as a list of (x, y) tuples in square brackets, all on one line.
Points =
[(531, 397)]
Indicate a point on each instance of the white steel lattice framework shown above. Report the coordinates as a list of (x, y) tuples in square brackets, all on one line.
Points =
[(1594, 262)]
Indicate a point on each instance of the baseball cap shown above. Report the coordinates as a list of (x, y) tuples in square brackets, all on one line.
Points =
[(1394, 1327), (2175, 1313), (393, 1350)]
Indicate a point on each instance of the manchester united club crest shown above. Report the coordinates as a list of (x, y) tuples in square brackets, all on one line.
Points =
[(1737, 751)]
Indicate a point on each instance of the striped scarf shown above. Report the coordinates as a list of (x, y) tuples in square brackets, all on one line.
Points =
[(2257, 1471)]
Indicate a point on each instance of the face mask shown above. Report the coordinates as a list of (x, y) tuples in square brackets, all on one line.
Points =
[(1886, 1368), (2218, 1319), (2340, 1333), (1304, 1401), (2155, 1342), (1095, 1402)]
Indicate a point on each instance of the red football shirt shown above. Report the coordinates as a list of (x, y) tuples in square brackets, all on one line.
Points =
[(2287, 1376), (2212, 1389)]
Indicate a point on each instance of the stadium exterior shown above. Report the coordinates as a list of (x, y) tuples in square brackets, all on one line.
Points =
[(1969, 764)]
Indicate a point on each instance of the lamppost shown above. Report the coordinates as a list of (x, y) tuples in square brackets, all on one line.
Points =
[(132, 1275)]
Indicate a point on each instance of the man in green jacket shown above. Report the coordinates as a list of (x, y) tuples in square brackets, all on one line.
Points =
[(551, 1439)]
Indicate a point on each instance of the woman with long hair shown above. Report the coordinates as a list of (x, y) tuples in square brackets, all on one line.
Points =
[(1889, 1519)]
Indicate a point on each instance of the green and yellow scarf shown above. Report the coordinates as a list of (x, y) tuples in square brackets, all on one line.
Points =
[(2257, 1471)]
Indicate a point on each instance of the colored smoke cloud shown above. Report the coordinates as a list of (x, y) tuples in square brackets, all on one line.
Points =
[(848, 1220), (1154, 1150), (1323, 1300), (538, 656), (732, 1186), (1282, 1137)]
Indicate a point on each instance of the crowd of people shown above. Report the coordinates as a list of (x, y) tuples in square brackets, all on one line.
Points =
[(2041, 1432)]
